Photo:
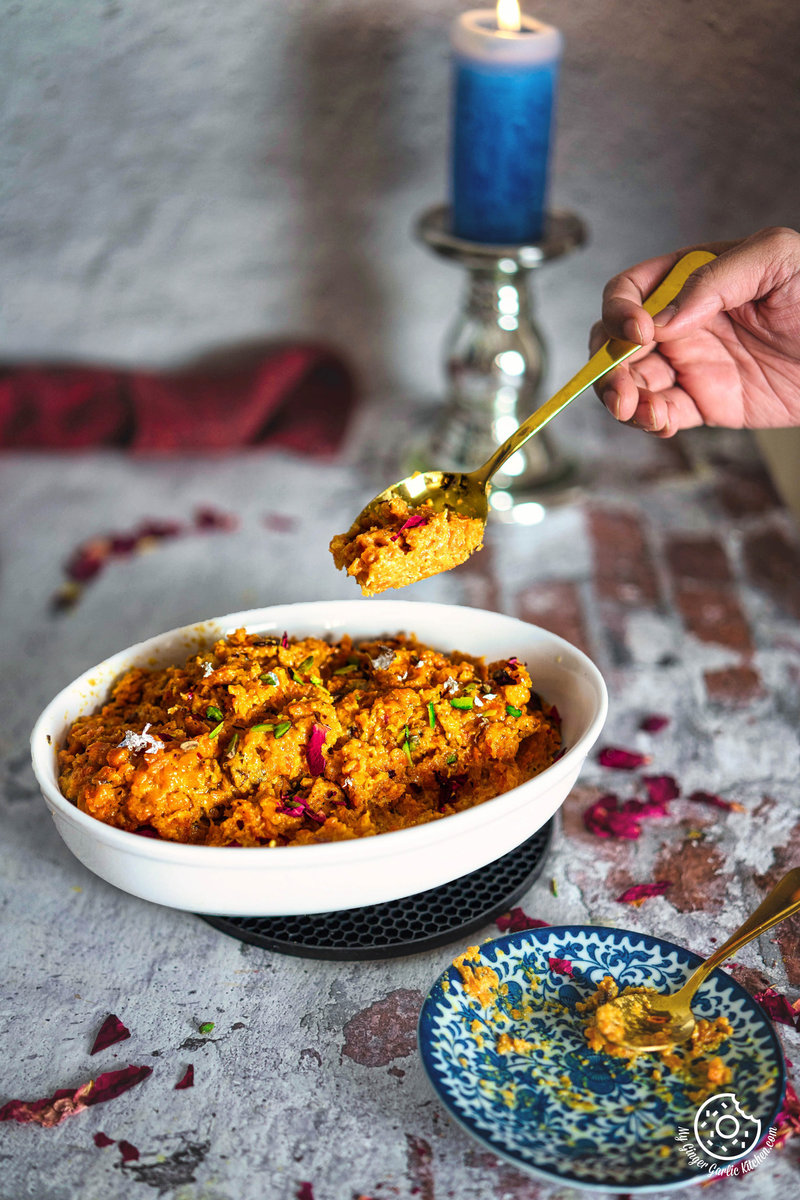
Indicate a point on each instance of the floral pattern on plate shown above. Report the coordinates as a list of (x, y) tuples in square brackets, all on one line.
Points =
[(563, 1111)]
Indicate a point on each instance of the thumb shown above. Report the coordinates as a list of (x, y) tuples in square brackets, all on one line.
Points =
[(748, 271)]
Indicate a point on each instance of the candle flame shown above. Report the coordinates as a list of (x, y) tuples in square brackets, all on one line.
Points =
[(508, 16)]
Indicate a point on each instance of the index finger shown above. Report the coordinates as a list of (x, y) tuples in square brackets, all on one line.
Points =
[(623, 296)]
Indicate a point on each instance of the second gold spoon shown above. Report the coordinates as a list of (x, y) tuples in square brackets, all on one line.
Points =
[(644, 1019)]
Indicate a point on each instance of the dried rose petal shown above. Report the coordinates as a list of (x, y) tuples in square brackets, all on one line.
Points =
[(147, 831), (776, 1006), (661, 789), (314, 755), (305, 1191), (413, 521), (517, 920), (560, 966), (52, 1110), (604, 818), (290, 806), (87, 562), (654, 724), (285, 640), (114, 1083), (159, 529), (637, 894), (453, 786), (788, 1119), (717, 802), (67, 1102), (187, 1081), (90, 558), (555, 715), (299, 808), (122, 545), (213, 519), (102, 1139), (622, 760), (128, 1151), (111, 1031)]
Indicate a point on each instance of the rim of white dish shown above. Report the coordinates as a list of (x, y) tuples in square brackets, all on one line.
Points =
[(259, 620)]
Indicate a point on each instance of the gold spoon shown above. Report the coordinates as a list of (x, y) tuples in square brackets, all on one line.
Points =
[(648, 1020), (468, 494)]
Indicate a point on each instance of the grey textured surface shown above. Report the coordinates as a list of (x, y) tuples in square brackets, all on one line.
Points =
[(310, 1073)]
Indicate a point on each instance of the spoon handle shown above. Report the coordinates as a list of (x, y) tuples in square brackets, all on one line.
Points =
[(780, 903), (610, 355)]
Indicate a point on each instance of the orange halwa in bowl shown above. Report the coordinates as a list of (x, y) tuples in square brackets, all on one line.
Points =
[(277, 741)]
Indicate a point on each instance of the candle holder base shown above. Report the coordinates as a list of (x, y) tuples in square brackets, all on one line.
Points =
[(495, 362)]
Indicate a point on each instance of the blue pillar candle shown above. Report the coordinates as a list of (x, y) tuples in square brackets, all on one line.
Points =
[(504, 90)]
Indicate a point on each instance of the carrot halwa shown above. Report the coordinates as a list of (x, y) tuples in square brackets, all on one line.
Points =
[(392, 545), (267, 741), (694, 1061)]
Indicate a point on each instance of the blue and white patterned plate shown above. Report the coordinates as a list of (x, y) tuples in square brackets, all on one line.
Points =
[(562, 1111)]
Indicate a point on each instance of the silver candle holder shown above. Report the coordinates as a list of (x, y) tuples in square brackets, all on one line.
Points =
[(495, 360)]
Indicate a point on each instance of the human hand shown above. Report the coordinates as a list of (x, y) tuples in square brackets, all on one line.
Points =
[(725, 352)]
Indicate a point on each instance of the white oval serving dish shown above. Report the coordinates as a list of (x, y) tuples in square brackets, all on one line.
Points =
[(264, 881)]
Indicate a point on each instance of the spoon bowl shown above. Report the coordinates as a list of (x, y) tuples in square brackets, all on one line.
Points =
[(465, 494)]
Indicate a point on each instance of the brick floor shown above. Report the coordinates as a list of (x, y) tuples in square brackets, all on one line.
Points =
[(733, 686), (772, 561), (624, 571), (557, 607)]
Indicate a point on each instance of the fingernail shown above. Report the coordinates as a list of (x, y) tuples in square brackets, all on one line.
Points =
[(633, 331), (665, 316), (650, 420), (611, 400)]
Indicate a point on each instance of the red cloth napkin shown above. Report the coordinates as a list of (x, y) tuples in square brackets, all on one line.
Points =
[(298, 396)]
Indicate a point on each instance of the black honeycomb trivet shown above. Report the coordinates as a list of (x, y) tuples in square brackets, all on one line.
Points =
[(399, 927)]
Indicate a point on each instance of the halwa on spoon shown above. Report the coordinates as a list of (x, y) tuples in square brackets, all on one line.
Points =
[(643, 1019), (433, 520)]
